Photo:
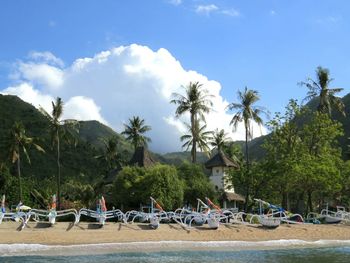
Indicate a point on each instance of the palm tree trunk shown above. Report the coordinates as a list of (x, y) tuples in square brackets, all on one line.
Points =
[(248, 168), (19, 176), (58, 174), (194, 138), (309, 201)]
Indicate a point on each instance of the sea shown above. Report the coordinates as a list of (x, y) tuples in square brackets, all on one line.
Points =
[(285, 251)]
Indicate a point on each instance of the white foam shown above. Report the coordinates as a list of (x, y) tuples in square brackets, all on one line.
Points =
[(84, 249)]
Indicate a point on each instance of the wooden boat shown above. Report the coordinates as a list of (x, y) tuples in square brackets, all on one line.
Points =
[(269, 222)]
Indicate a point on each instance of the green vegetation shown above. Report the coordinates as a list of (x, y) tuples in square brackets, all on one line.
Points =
[(302, 164), (171, 186), (196, 101), (247, 113), (59, 129), (134, 132), (199, 136), (19, 143)]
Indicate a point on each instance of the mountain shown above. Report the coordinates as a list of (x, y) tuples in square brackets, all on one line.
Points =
[(77, 162)]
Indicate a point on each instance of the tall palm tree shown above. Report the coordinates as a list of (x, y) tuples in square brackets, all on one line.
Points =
[(196, 101), (247, 113), (320, 88), (200, 135), (219, 139), (19, 142), (65, 129), (134, 132)]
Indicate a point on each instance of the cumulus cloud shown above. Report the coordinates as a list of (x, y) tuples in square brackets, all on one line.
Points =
[(78, 107), (42, 74), (46, 57), (116, 84)]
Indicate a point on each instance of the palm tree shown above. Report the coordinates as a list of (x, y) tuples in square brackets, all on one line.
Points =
[(320, 88), (246, 113), (110, 155), (196, 101), (219, 139), (134, 132), (65, 129), (200, 136), (20, 142)]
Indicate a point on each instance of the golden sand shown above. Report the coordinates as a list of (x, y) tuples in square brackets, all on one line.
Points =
[(63, 233)]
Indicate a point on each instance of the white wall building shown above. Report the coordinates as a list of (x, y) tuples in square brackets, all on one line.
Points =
[(220, 165)]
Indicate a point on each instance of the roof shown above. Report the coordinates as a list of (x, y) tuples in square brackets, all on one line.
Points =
[(142, 158), (220, 159), (233, 197)]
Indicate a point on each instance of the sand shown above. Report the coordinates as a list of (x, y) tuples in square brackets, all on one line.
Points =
[(63, 233)]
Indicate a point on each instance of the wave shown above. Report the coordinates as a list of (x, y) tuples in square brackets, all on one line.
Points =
[(106, 248)]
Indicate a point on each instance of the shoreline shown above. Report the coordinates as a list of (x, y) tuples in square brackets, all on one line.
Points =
[(87, 238), (64, 233)]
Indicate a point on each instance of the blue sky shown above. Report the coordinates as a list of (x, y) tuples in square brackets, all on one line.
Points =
[(265, 45)]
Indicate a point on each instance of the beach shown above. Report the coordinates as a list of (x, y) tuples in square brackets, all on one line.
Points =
[(64, 233)]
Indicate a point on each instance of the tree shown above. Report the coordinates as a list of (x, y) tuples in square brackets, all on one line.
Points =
[(65, 129), (283, 147), (196, 183), (20, 142), (198, 135), (163, 184), (219, 139), (110, 155), (134, 132), (196, 101), (246, 113), (320, 88)]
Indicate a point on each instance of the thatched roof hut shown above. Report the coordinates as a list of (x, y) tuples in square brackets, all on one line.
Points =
[(221, 160), (142, 158)]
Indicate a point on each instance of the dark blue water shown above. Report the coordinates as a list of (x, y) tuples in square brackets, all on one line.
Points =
[(311, 255)]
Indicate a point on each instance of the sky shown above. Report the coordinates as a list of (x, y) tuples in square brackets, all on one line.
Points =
[(110, 60)]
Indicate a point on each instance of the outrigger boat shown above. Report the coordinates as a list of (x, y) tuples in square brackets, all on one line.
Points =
[(19, 216), (206, 213), (52, 213), (266, 220), (101, 214), (155, 215)]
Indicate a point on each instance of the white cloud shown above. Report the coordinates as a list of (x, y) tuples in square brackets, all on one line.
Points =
[(46, 57), (206, 9), (211, 8), (82, 108), (29, 94), (79, 107), (231, 12), (42, 74), (130, 80)]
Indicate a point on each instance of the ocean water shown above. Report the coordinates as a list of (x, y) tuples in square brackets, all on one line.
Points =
[(232, 252)]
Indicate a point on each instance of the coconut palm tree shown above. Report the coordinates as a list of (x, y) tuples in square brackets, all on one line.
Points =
[(247, 113), (65, 129), (320, 88), (134, 132), (19, 142), (110, 155), (219, 139), (200, 135), (196, 101)]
